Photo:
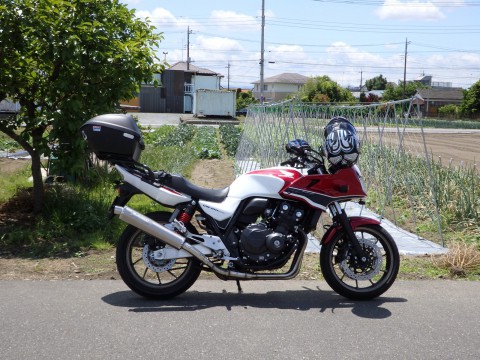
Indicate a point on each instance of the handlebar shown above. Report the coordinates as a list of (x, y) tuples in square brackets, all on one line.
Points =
[(307, 159)]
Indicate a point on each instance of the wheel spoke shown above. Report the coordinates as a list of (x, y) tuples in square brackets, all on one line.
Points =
[(158, 278), (179, 268), (145, 273), (171, 273)]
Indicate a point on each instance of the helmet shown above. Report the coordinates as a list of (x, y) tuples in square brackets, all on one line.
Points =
[(341, 146)]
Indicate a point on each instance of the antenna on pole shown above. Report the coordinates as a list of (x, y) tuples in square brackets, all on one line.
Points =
[(228, 76), (188, 47), (262, 50)]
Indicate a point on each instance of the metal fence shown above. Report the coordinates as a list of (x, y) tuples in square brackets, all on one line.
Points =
[(394, 160)]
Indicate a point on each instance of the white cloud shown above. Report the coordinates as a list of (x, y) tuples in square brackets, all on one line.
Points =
[(410, 10), (214, 49), (163, 18), (231, 21), (343, 53)]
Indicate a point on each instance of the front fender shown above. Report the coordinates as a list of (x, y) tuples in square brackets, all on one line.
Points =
[(355, 221)]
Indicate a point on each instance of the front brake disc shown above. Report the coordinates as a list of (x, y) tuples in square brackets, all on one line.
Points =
[(369, 269)]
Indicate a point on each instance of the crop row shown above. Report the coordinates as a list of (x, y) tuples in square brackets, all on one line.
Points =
[(203, 141)]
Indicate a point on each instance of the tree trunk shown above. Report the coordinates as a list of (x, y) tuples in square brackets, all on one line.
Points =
[(38, 188), (34, 150)]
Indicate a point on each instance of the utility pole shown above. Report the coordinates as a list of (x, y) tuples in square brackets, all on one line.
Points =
[(262, 50), (405, 68), (361, 79), (188, 47), (228, 76)]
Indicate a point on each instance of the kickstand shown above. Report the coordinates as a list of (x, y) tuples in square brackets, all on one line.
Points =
[(240, 291)]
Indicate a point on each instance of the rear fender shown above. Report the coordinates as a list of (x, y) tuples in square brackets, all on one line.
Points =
[(355, 221)]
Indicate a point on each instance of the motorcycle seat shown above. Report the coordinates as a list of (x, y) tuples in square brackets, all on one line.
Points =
[(179, 183)]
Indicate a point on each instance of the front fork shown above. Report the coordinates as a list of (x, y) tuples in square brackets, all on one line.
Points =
[(340, 217)]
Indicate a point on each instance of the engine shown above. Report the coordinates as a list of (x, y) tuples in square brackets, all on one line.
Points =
[(268, 244)]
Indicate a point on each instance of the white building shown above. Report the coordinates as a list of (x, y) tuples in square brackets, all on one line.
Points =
[(278, 87)]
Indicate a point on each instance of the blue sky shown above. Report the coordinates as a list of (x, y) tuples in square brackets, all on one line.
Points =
[(348, 40)]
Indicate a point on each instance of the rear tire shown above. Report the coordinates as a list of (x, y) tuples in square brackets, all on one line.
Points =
[(151, 278), (356, 280)]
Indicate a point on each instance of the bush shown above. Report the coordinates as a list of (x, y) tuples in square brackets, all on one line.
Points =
[(450, 111)]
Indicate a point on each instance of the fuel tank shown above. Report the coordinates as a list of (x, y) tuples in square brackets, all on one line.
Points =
[(266, 183)]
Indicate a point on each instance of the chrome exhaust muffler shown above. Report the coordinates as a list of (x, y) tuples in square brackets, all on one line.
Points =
[(179, 242)]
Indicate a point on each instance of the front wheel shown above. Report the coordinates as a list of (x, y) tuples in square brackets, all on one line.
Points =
[(356, 279), (143, 273)]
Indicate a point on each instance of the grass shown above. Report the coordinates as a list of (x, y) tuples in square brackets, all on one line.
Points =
[(403, 188), (10, 183), (7, 144), (75, 215), (462, 259)]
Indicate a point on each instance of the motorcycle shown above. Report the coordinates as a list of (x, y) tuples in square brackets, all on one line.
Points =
[(246, 231)]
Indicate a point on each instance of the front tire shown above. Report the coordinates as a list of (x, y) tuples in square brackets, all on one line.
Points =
[(148, 277), (361, 280)]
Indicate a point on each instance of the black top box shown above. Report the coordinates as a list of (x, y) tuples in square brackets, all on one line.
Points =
[(113, 137)]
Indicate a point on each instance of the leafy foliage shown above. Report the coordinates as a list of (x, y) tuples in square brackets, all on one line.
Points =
[(244, 99), (376, 83), (395, 92), (450, 111), (371, 98), (64, 62), (205, 143), (471, 101), (230, 136), (7, 144), (323, 89), (183, 134)]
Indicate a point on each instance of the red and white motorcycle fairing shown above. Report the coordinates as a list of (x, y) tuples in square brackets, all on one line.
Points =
[(266, 183)]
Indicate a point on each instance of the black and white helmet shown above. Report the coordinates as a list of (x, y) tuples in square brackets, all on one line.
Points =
[(342, 145)]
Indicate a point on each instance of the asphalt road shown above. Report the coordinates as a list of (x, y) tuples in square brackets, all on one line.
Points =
[(270, 320)]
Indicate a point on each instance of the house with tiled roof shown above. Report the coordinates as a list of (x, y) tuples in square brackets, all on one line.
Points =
[(436, 97), (278, 87)]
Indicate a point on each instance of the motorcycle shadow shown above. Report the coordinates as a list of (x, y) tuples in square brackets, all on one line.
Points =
[(304, 299)]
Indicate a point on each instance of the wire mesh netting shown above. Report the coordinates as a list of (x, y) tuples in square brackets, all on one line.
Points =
[(396, 167)]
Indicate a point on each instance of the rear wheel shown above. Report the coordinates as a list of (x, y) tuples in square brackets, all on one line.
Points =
[(158, 279), (356, 279)]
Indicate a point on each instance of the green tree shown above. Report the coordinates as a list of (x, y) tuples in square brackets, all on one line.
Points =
[(64, 62), (376, 83), (244, 99), (471, 101), (395, 92), (324, 89)]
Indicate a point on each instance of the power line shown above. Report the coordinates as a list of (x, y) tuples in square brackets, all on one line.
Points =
[(438, 3)]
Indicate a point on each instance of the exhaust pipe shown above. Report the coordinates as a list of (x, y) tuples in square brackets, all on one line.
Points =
[(149, 226), (179, 242)]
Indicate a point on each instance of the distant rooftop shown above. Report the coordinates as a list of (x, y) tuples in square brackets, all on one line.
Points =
[(182, 66), (441, 94), (285, 78)]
